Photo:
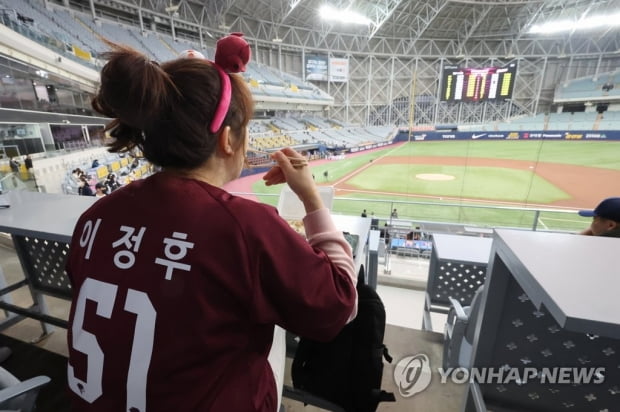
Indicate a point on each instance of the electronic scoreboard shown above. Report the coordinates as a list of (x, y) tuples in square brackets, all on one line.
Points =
[(474, 85)]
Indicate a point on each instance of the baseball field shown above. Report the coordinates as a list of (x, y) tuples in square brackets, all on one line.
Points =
[(489, 183)]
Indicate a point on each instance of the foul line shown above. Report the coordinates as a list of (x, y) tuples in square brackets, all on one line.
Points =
[(361, 169)]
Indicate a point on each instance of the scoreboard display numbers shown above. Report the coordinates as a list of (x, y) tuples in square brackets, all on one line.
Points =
[(475, 85)]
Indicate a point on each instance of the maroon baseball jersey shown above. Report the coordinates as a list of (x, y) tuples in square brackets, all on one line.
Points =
[(177, 287)]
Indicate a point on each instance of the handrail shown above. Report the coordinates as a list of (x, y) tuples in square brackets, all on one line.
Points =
[(470, 215)]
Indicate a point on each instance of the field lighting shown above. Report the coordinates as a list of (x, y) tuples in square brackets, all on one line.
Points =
[(588, 23), (328, 12)]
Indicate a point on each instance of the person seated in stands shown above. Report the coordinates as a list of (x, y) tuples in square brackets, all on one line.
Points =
[(84, 188), (14, 165), (76, 173), (417, 235), (605, 218), (100, 190), (409, 236), (29, 165), (111, 183), (374, 222), (385, 233), (126, 177)]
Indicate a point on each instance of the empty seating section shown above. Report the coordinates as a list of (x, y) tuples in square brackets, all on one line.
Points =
[(272, 142), (305, 134), (80, 30), (317, 122), (337, 137), (559, 121), (603, 88), (160, 48), (119, 34), (265, 75), (341, 123), (608, 120), (265, 80), (41, 21), (288, 131), (182, 44), (291, 124), (152, 44), (76, 29), (259, 126), (523, 123), (600, 87), (58, 25)]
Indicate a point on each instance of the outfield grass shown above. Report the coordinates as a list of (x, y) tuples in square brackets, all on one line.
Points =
[(470, 182), (580, 153)]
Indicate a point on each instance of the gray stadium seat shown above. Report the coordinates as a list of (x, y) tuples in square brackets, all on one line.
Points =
[(16, 395), (459, 332)]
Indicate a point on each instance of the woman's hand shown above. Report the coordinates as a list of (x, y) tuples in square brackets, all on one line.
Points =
[(298, 178)]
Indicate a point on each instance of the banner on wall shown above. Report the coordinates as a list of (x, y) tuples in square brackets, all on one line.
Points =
[(520, 135), (338, 70), (316, 67)]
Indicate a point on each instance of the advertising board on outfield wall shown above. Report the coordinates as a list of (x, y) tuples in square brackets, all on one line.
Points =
[(509, 135)]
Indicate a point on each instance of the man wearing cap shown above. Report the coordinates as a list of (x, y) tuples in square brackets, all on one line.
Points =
[(605, 218)]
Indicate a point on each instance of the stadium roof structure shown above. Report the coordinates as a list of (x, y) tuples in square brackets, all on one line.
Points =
[(430, 28)]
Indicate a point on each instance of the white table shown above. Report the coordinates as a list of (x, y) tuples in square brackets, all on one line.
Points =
[(43, 215), (41, 226), (462, 249)]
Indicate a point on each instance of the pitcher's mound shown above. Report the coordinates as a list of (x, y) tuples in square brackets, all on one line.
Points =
[(434, 176)]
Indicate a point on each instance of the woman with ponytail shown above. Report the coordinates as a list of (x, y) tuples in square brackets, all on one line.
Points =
[(178, 284)]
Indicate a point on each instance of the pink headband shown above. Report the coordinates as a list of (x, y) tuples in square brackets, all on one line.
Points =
[(232, 53), (224, 102)]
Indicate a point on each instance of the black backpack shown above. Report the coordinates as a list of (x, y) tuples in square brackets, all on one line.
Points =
[(347, 371)]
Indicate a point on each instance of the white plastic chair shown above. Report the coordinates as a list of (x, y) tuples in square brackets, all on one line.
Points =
[(16, 395), (459, 332)]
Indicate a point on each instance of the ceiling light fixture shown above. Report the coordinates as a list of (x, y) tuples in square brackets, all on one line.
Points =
[(328, 12), (587, 23)]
